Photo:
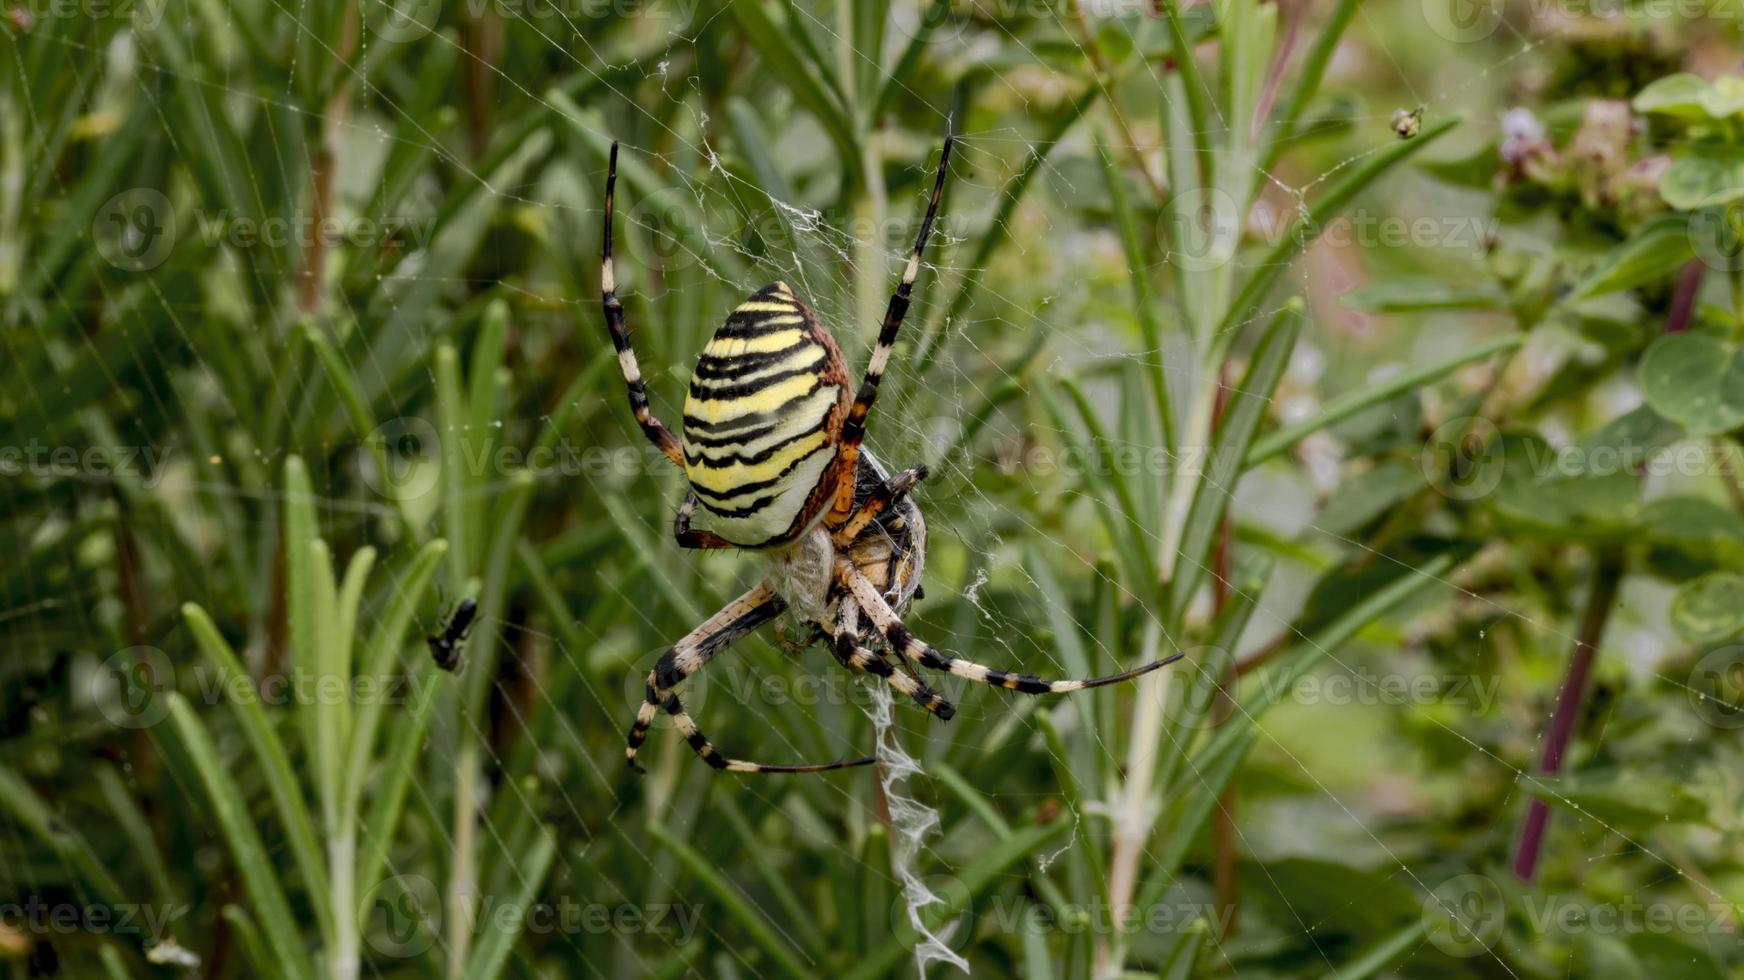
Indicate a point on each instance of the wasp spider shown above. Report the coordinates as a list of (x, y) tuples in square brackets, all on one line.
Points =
[(772, 450)]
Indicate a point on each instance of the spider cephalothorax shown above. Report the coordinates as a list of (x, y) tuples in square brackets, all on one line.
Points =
[(771, 447)]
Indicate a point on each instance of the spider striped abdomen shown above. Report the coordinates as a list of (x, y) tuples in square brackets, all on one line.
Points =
[(762, 421)]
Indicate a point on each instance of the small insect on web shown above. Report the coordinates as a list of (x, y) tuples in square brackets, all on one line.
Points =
[(772, 448), (446, 642)]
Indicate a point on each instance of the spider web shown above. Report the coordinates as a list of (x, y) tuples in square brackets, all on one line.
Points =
[(1009, 559)]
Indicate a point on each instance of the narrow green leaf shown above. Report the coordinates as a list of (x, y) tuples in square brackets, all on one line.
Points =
[(786, 958), (501, 930), (1306, 229), (253, 861), (974, 879), (271, 760), (1243, 410), (377, 665), (394, 775), (29, 809), (254, 949), (1138, 268), (303, 617), (806, 78), (1352, 402), (1383, 954)]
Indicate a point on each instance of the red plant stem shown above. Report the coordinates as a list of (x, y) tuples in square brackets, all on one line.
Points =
[(1683, 296), (1569, 700)]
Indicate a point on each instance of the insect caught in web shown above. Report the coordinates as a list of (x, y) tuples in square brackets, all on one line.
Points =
[(772, 449), (446, 642)]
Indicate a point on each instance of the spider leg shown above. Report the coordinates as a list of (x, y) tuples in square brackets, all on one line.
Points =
[(688, 538), (908, 645), (854, 429), (882, 498), (847, 648), (653, 428), (688, 656)]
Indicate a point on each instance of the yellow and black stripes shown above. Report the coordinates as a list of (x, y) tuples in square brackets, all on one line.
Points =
[(854, 429), (908, 645), (847, 649), (761, 419), (652, 427), (688, 656)]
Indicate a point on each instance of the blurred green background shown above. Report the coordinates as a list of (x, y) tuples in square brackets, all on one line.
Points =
[(1381, 355)]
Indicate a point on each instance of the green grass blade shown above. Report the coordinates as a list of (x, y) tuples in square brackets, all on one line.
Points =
[(1305, 230), (974, 879), (254, 950), (1384, 953), (1138, 268), (1306, 83), (1350, 403), (398, 763), (786, 958), (806, 78), (500, 930), (1243, 410), (29, 809), (253, 861), (270, 757), (379, 657)]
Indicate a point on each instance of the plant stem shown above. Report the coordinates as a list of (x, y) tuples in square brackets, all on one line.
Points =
[(341, 871), (1683, 296), (1189, 456), (1607, 575), (463, 880)]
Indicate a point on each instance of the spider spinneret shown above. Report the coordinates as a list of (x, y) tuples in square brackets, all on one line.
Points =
[(772, 450)]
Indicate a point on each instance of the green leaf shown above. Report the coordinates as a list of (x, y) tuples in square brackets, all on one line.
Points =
[(253, 861), (1229, 448), (1679, 95), (1352, 402), (1307, 228), (1696, 528), (738, 906), (1724, 98), (1707, 176), (1710, 609), (973, 879), (270, 759), (1541, 492), (1697, 380), (1624, 800), (1653, 254), (1408, 295), (30, 810), (806, 79), (1183, 959), (502, 928)]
